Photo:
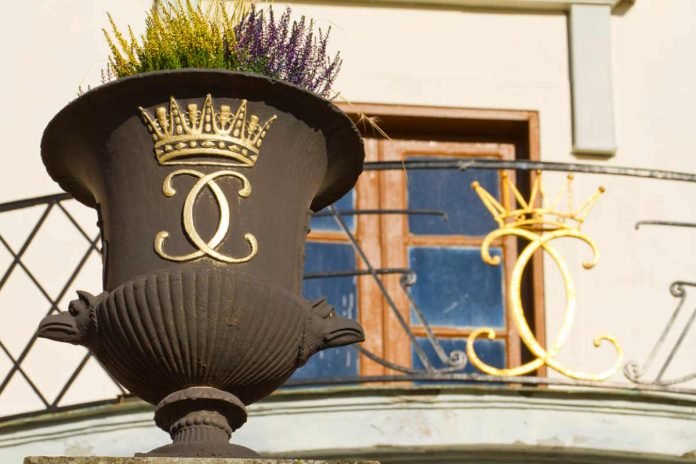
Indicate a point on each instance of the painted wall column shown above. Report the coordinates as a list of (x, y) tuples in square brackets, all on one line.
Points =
[(591, 77)]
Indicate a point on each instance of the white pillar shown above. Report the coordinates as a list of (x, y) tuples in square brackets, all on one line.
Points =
[(591, 77)]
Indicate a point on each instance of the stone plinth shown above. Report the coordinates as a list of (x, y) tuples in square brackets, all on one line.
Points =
[(112, 460)]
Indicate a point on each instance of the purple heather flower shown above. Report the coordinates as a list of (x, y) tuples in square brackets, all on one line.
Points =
[(291, 52)]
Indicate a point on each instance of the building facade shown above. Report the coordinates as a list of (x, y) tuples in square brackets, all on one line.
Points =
[(590, 87)]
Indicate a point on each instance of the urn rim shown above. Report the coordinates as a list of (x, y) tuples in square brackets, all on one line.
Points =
[(62, 137)]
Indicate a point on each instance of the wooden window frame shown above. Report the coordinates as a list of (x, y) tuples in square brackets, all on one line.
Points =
[(497, 133), (394, 195)]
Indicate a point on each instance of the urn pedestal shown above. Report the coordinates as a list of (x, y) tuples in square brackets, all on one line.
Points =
[(204, 182)]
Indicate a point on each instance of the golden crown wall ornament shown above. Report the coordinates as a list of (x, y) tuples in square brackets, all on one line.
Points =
[(539, 221), (537, 213)]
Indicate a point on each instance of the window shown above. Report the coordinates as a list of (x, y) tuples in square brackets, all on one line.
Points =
[(329, 250), (454, 290)]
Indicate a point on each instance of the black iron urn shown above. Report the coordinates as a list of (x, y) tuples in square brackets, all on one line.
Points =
[(204, 182)]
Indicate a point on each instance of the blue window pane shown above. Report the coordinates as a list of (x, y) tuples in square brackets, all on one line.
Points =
[(334, 362), (341, 293), (449, 191), (492, 352), (328, 223), (455, 288)]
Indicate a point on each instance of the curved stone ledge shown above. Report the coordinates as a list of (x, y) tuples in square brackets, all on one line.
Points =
[(397, 424)]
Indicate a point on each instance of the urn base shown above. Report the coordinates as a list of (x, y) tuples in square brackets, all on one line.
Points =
[(201, 450), (200, 421), (157, 460)]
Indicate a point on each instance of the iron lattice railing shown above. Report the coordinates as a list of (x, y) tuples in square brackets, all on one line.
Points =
[(670, 341), (52, 204)]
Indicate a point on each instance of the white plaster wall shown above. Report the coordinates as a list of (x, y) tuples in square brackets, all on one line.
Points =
[(655, 92), (627, 294), (391, 55), (49, 49), (455, 58)]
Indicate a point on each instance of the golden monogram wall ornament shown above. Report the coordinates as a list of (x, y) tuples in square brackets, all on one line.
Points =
[(540, 226), (206, 138)]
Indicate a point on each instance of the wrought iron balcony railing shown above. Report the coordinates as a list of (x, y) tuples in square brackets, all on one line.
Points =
[(418, 341)]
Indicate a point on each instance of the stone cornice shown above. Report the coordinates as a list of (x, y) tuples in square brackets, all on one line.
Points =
[(510, 5), (460, 424)]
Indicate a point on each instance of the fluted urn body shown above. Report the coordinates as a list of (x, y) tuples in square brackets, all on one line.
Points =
[(204, 182)]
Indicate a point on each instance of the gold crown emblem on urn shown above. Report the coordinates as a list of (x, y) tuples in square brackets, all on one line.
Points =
[(180, 135)]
